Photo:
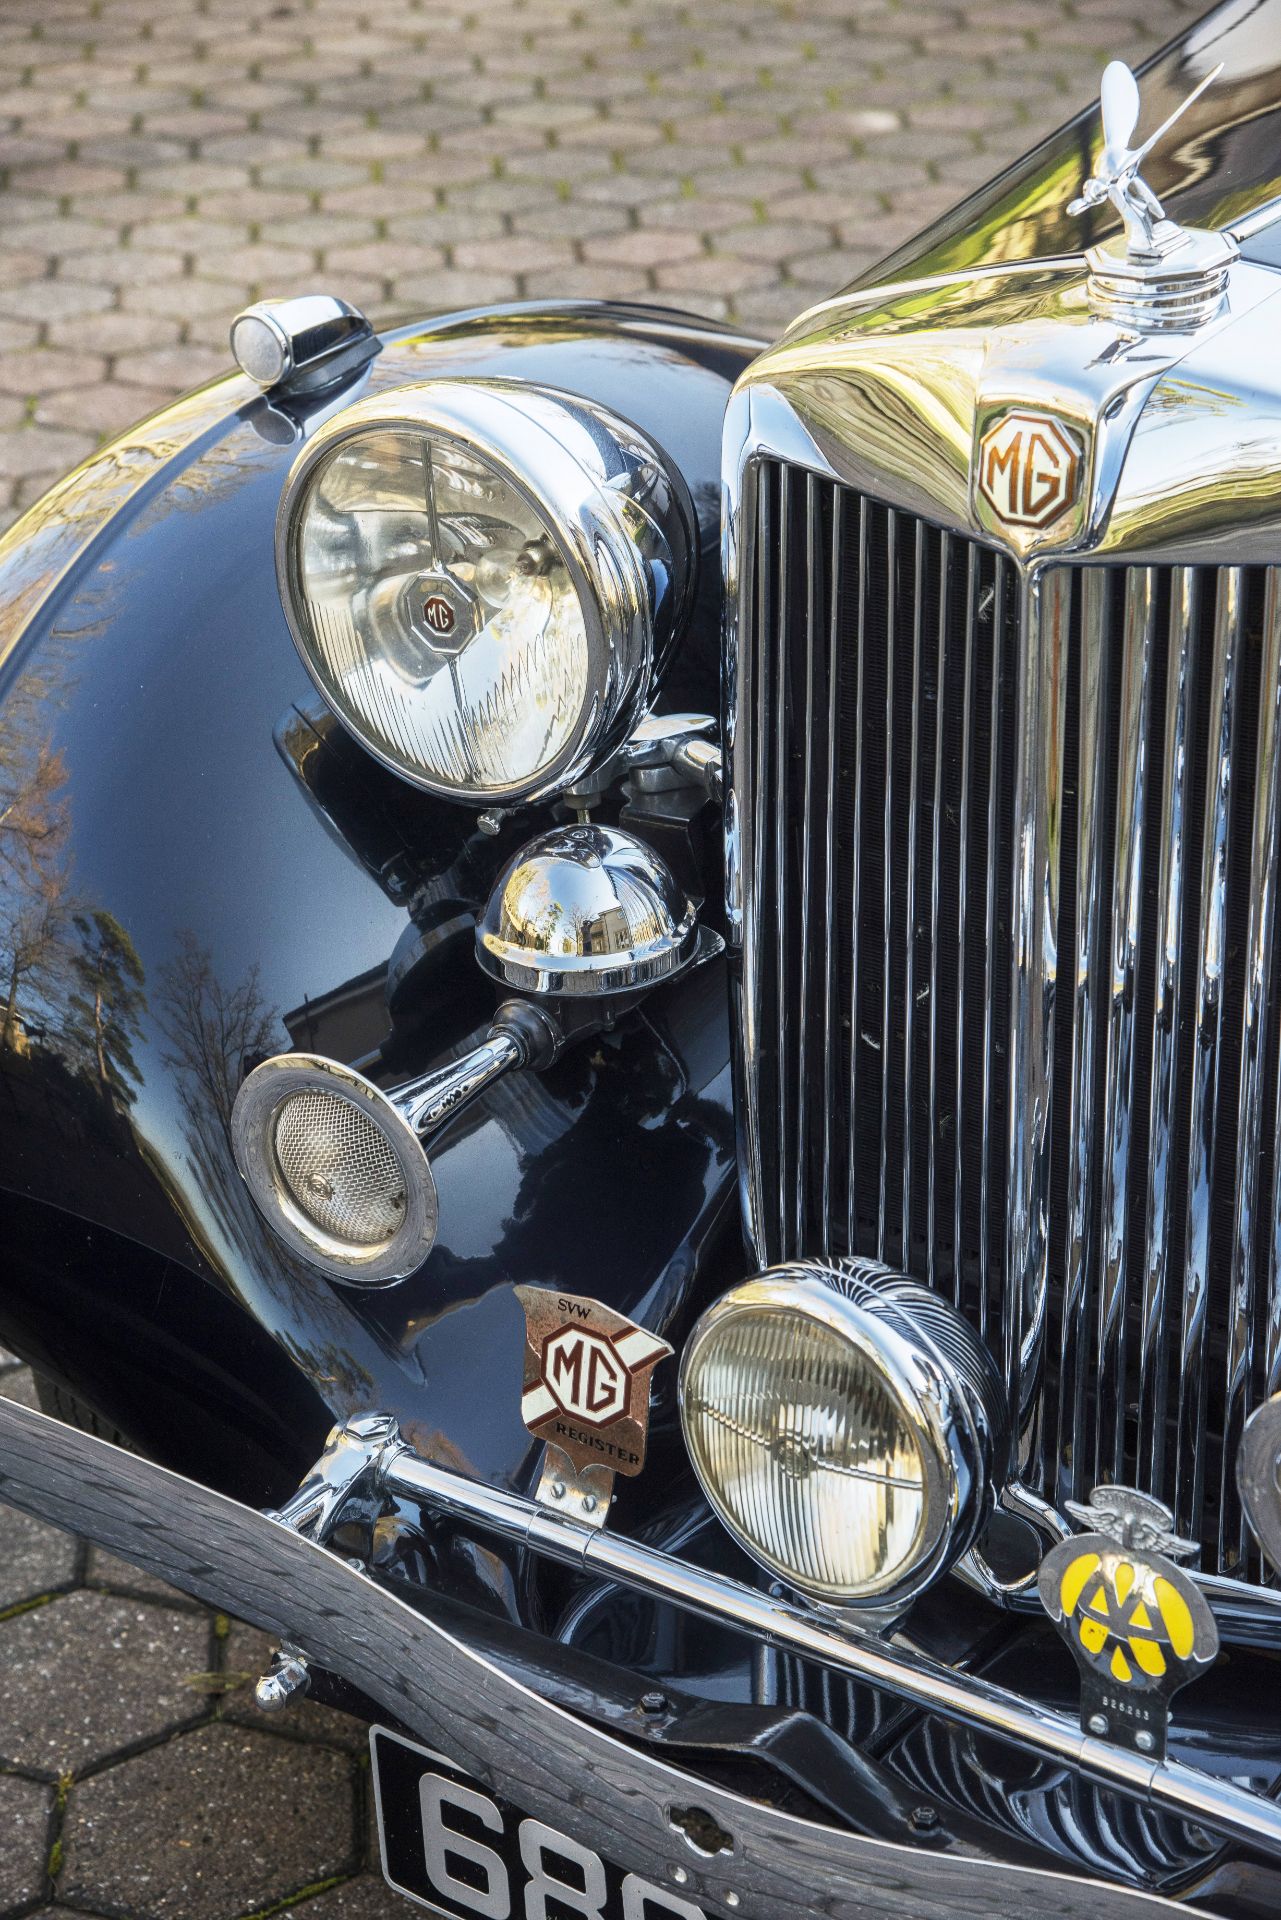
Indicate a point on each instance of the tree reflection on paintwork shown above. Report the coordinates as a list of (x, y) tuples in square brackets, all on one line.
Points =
[(105, 1008)]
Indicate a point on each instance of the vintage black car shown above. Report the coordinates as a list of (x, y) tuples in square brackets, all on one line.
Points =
[(676, 946)]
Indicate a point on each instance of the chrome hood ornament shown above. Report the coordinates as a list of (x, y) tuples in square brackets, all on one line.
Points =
[(1162, 276)]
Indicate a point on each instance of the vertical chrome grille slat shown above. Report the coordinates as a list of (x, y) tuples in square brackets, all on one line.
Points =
[(1137, 638), (1046, 614), (1233, 1534), (806, 958), (835, 670), (1011, 986), (1154, 1324), (855, 849), (782, 747), (987, 1145), (1078, 1283), (944, 594), (909, 1007), (962, 913), (1190, 1460), (887, 957)]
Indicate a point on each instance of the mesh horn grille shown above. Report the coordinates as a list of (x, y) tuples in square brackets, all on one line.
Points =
[(339, 1167)]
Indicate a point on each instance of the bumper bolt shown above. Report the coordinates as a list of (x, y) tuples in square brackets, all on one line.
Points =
[(653, 1703), (288, 1678), (923, 1819)]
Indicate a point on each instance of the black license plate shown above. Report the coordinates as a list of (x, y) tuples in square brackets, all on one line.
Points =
[(463, 1852)]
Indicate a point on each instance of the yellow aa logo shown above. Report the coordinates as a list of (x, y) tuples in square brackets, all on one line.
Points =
[(1128, 1618)]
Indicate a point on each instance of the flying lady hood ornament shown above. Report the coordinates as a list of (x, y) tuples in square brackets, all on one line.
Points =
[(1157, 276), (1139, 1628)]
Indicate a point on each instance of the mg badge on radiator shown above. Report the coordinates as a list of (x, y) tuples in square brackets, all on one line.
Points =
[(1029, 468), (586, 1393), (1138, 1626)]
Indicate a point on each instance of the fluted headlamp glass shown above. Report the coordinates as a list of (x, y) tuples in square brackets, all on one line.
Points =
[(475, 574), (843, 1422)]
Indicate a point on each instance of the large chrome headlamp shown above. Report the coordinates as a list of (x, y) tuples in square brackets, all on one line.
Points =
[(847, 1426), (483, 578)]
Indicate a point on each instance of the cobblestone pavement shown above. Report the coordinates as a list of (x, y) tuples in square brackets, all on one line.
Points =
[(161, 163)]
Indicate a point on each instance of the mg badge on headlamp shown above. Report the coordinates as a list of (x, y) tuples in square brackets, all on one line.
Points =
[(847, 1426), (483, 579)]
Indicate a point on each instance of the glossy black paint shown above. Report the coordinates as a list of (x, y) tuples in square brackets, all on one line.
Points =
[(270, 888)]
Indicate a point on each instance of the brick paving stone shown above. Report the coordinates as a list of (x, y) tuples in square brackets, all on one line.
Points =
[(222, 1822), (37, 1559), (160, 162), (90, 1673), (25, 1808), (365, 1898), (17, 1384)]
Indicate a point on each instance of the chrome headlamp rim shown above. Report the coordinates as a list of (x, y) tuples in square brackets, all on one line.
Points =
[(634, 583), (253, 1118), (955, 1433)]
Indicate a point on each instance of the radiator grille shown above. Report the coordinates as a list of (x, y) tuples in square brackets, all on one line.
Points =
[(877, 755)]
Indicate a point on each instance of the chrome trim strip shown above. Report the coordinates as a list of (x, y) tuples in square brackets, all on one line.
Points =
[(1079, 1253), (1137, 637), (1235, 1540), (1189, 1488), (555, 1765), (1155, 1328), (1042, 677)]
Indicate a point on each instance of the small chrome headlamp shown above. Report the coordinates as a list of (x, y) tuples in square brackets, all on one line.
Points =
[(483, 579), (847, 1426)]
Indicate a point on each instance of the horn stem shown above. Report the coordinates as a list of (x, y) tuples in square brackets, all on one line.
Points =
[(426, 1103)]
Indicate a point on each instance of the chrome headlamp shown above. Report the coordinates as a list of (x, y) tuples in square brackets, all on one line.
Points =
[(847, 1426), (483, 579)]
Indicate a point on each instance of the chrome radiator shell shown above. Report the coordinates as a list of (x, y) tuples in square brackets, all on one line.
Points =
[(1117, 947)]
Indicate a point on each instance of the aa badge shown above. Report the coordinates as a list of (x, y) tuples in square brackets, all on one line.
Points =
[(1138, 1626), (586, 1393)]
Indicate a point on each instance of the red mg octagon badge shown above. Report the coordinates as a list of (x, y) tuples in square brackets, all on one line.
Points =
[(1029, 468), (587, 1378)]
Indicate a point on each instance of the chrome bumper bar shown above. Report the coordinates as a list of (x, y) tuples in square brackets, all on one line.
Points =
[(609, 1795), (368, 1455)]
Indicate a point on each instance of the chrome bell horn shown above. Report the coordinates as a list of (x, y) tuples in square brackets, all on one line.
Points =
[(337, 1167), (584, 919)]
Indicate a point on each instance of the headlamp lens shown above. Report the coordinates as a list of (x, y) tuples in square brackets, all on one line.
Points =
[(806, 1449), (441, 618)]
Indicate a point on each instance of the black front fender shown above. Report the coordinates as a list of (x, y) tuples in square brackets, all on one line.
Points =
[(220, 875)]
